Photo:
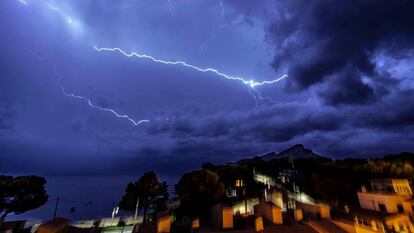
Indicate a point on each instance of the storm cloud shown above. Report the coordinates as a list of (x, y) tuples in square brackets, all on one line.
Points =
[(334, 43), (349, 91)]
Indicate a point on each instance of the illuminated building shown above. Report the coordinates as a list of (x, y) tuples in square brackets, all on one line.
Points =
[(387, 195), (385, 207)]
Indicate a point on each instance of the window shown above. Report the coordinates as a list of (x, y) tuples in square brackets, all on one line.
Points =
[(382, 207), (400, 208), (239, 183)]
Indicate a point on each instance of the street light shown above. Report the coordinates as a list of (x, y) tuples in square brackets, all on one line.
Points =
[(136, 209), (115, 211)]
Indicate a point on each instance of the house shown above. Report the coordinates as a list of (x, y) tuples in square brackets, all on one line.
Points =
[(387, 195), (385, 207)]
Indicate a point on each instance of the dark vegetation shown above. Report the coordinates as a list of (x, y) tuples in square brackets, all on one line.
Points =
[(21, 193), (151, 194), (198, 192)]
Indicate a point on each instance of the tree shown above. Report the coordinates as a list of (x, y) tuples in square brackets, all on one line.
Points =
[(199, 191), (20, 194), (152, 194)]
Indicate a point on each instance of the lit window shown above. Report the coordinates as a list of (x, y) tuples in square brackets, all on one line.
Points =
[(239, 183)]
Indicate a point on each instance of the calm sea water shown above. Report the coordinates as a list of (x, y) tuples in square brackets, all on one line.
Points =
[(84, 196)]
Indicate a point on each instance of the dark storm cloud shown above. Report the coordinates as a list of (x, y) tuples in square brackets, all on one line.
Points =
[(346, 87), (349, 90), (346, 131), (279, 123), (395, 112), (334, 42)]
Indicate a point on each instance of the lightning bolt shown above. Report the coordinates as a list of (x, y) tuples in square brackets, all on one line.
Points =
[(134, 122), (221, 15), (205, 43), (248, 82), (251, 84)]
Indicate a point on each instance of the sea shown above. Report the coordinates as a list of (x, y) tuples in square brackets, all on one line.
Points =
[(84, 197)]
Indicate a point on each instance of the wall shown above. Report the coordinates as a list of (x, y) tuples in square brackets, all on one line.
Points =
[(402, 186), (239, 207), (164, 224), (277, 199), (227, 218), (271, 212), (321, 209), (221, 217), (371, 201)]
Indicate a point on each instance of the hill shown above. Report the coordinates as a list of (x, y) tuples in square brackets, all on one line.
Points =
[(296, 152)]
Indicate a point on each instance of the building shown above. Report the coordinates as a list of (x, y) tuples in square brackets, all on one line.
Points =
[(264, 179), (244, 206), (270, 211), (386, 206), (387, 195), (396, 186), (367, 221)]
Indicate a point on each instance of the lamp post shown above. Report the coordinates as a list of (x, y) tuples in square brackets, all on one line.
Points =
[(56, 207), (136, 209), (115, 211)]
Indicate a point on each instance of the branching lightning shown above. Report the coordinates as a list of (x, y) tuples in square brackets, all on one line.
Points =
[(257, 96), (136, 123), (205, 43), (221, 25), (249, 82)]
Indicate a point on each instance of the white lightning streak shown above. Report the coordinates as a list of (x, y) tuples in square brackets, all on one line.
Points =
[(136, 123), (205, 43), (247, 82)]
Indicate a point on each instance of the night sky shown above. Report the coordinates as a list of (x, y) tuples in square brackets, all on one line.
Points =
[(349, 89)]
